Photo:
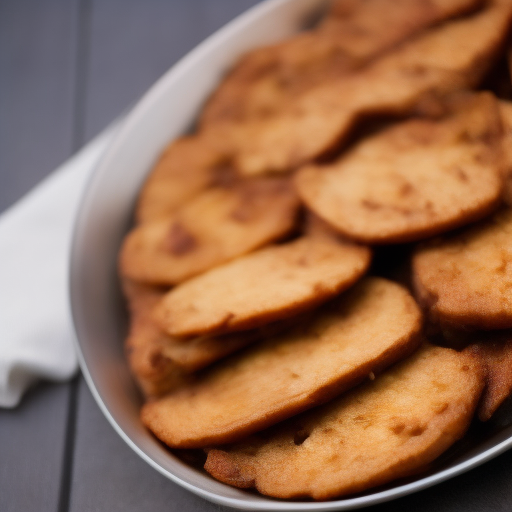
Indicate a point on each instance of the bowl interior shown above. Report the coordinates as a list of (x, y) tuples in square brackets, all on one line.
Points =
[(166, 111)]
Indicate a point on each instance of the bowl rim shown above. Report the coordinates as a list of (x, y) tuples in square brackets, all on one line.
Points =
[(121, 128)]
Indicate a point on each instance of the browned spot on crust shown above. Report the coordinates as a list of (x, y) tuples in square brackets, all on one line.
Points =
[(461, 174), (416, 71), (406, 189), (251, 193), (303, 262), (158, 360), (371, 205), (244, 212), (416, 430), (398, 428), (224, 175), (179, 240), (442, 408)]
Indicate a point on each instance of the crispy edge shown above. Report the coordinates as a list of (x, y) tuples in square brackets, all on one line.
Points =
[(455, 108), (402, 348), (232, 470), (428, 298), (230, 322), (495, 354)]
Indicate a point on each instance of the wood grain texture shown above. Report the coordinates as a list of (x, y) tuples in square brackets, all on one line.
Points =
[(67, 68), (108, 475), (37, 79), (32, 441), (38, 42)]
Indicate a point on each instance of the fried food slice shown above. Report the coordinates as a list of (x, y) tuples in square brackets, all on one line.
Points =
[(187, 166), (373, 325), (218, 225), (415, 179), (438, 61), (465, 280), (313, 225), (161, 362), (378, 432), (146, 344), (270, 284), (350, 36), (495, 353), (506, 116)]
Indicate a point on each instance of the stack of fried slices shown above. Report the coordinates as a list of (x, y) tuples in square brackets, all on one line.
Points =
[(320, 277)]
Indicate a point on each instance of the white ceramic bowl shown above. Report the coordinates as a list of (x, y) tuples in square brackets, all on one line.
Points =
[(165, 112)]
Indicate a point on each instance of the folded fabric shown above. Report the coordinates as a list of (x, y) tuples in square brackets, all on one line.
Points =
[(36, 332)]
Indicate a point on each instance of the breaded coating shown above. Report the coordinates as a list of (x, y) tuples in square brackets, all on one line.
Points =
[(271, 284), (464, 280), (313, 225), (161, 362), (187, 166), (495, 352), (371, 326), (438, 61), (254, 335), (218, 225), (415, 179), (146, 343), (383, 430), (269, 79)]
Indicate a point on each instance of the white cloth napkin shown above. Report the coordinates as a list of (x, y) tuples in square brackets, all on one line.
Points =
[(36, 333)]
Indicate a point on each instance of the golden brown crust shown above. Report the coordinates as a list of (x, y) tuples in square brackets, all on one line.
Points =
[(438, 61), (161, 362), (267, 80), (464, 280), (271, 284), (216, 226), (205, 205), (187, 166), (414, 179), (145, 345), (383, 430), (370, 327)]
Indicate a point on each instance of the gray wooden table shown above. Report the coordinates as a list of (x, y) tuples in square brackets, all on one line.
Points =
[(68, 68)]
